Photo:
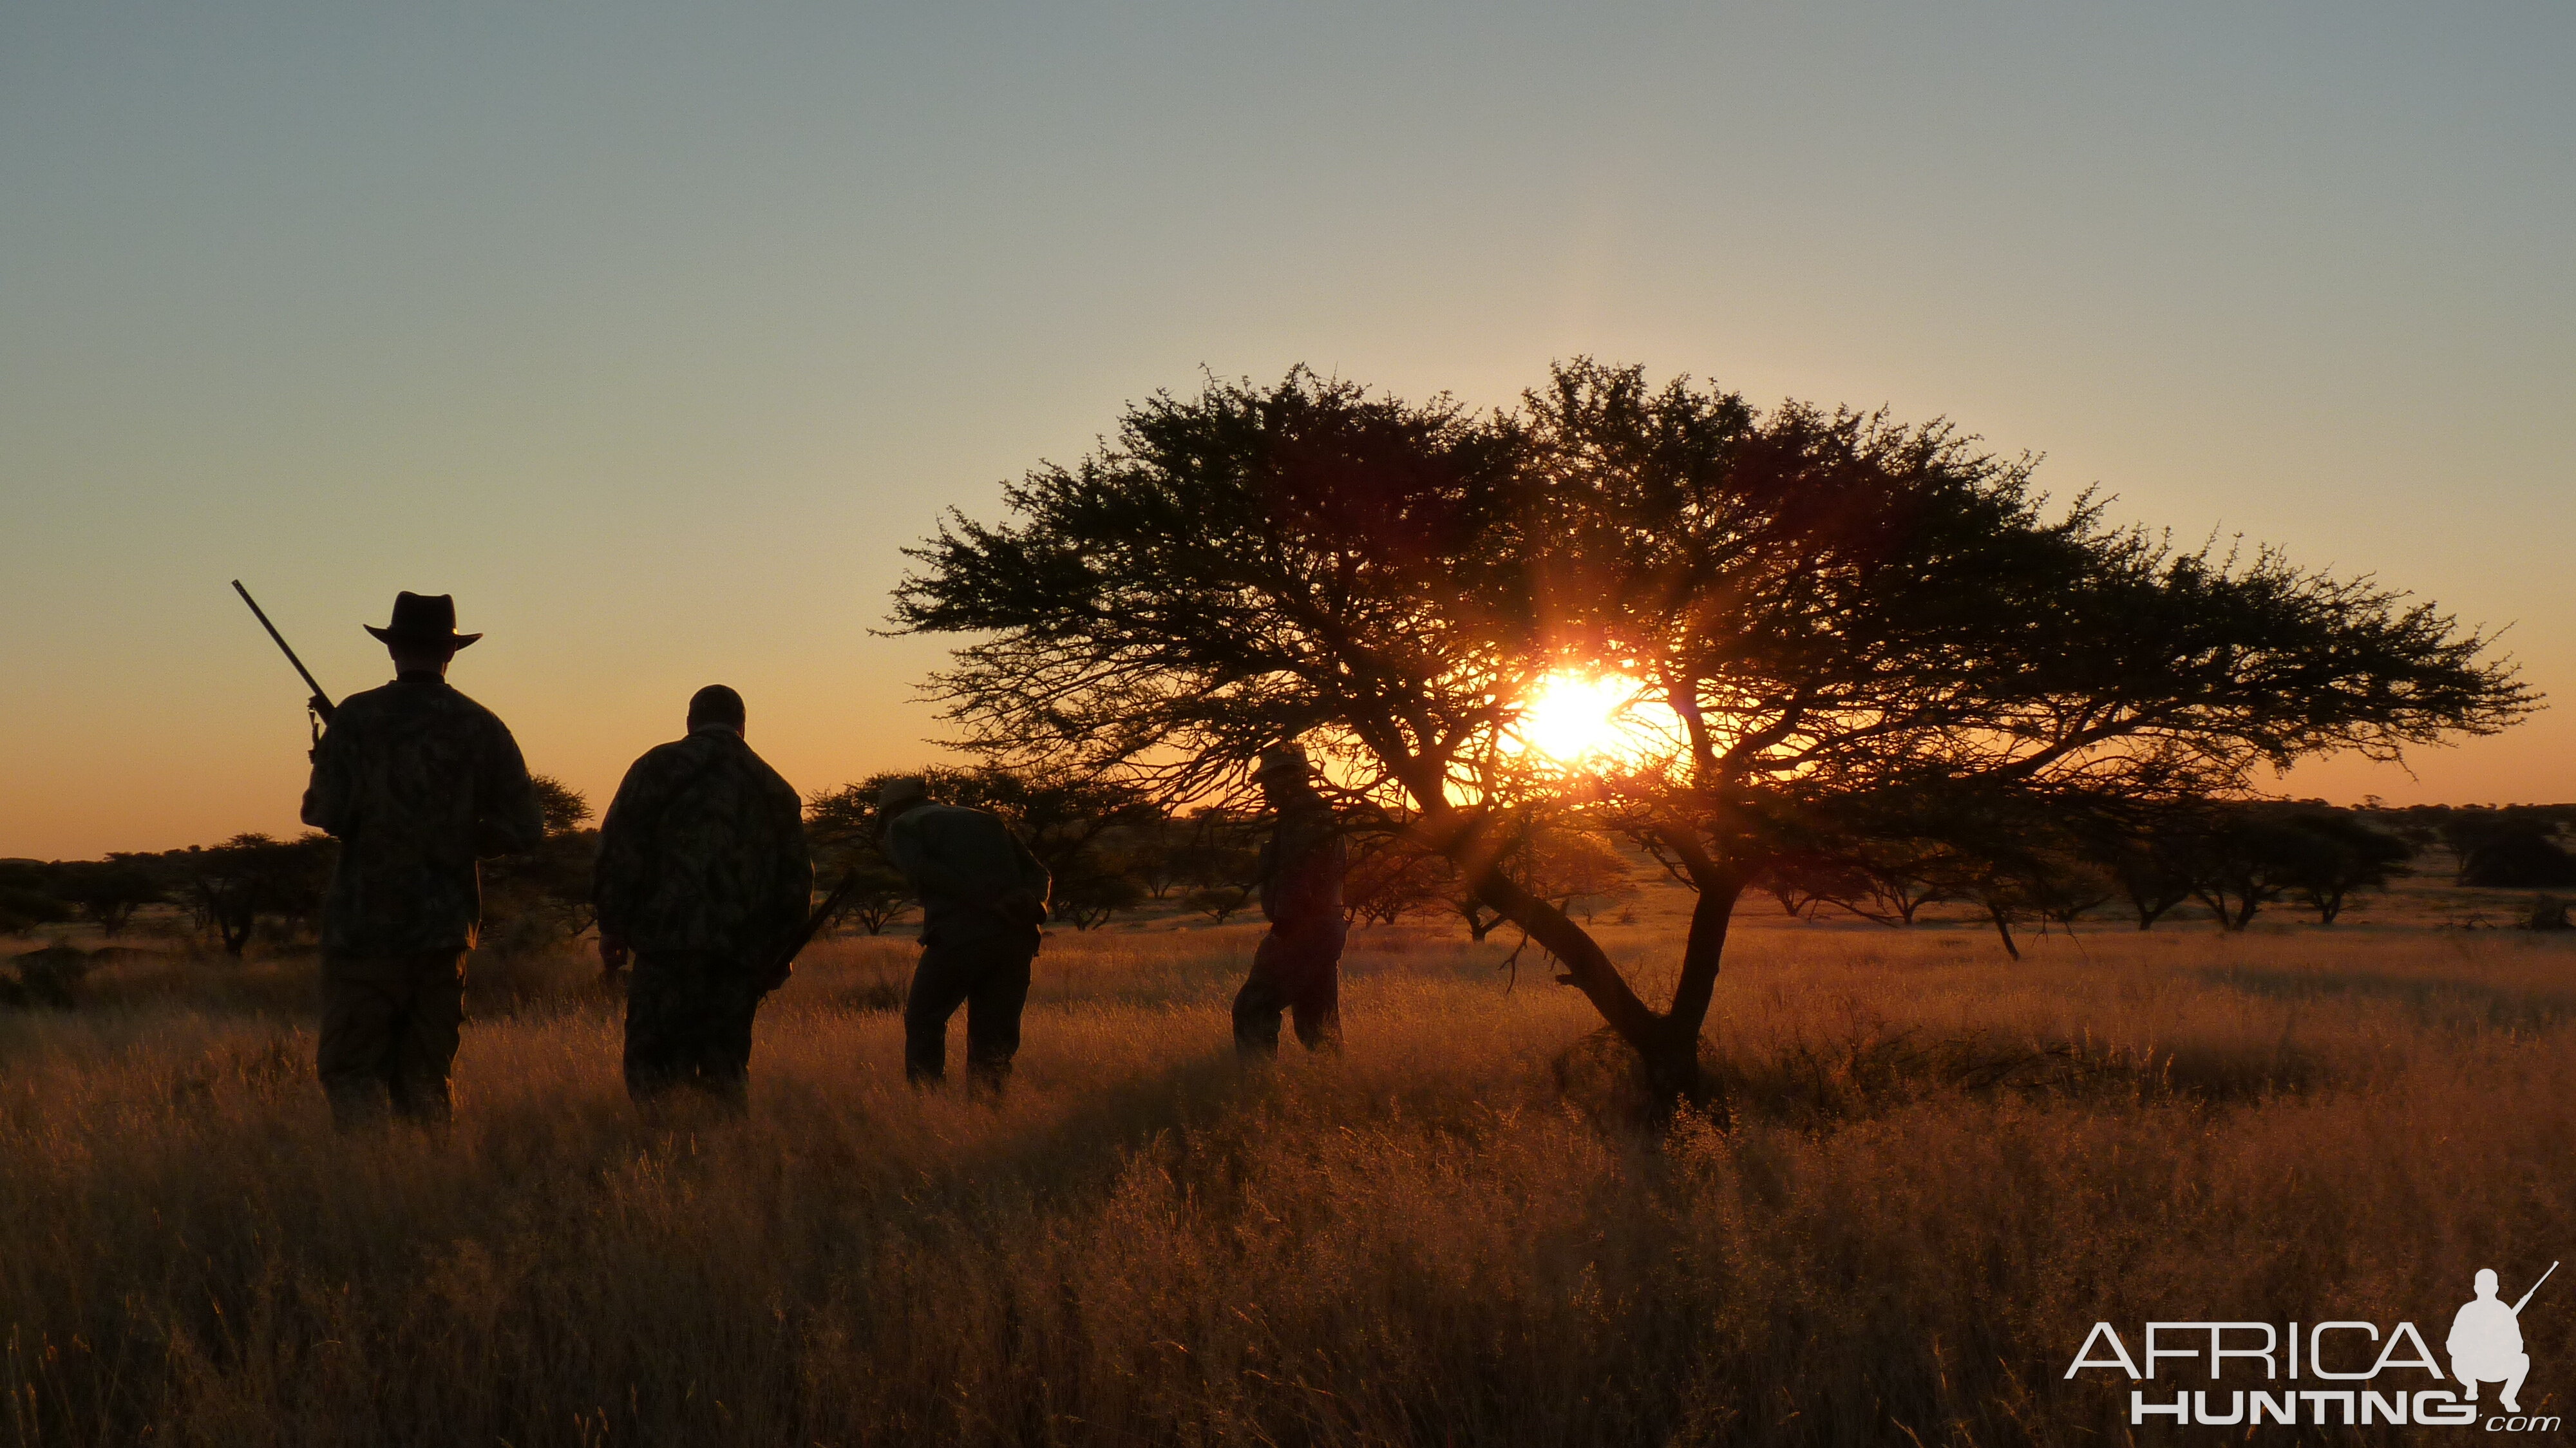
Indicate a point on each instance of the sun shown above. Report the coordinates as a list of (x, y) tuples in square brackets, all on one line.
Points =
[(1571, 717)]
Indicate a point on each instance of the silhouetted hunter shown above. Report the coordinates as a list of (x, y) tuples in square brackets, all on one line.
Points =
[(2486, 1341), (1298, 965), (417, 781), (704, 878), (983, 899)]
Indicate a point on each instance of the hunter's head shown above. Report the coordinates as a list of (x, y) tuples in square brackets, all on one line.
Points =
[(900, 795), (422, 636), (715, 707), (1283, 771)]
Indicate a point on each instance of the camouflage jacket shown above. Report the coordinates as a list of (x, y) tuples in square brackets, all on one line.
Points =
[(1303, 862), (416, 780), (703, 849), (977, 882)]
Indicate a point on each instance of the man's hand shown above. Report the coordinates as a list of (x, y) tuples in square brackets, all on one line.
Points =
[(612, 954), (1024, 905)]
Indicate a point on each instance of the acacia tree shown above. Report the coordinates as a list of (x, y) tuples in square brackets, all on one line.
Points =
[(2339, 854), (1837, 612), (230, 887), (2150, 858), (538, 900), (2243, 857), (109, 891)]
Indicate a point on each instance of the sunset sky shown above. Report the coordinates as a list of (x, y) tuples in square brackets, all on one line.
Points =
[(654, 331)]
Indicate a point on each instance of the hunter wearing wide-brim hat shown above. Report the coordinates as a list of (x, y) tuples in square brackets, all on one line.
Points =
[(416, 781), (1297, 967)]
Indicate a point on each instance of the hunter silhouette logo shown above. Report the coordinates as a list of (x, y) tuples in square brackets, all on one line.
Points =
[(2352, 1387), (2486, 1341)]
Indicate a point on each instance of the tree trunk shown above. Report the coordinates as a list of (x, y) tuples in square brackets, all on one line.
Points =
[(1479, 924), (1672, 1065), (2003, 927), (1667, 1043), (1587, 966)]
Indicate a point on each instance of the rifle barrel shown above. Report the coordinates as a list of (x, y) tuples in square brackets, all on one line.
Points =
[(2535, 1287), (831, 906), (289, 649), (785, 961)]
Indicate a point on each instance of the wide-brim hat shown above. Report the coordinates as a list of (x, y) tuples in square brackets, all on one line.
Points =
[(423, 618), (1281, 759), (897, 793)]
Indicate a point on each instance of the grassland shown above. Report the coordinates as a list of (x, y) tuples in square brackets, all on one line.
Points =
[(1939, 1168)]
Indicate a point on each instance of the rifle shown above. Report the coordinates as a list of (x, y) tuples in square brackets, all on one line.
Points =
[(2535, 1287), (785, 964), (320, 704)]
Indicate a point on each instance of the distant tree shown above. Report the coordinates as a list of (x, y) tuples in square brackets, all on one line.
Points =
[(2242, 857), (2518, 862), (539, 900), (1832, 608), (560, 807), (1157, 862), (2015, 859), (880, 898), (2005, 897), (2335, 854), (2059, 886), (108, 892), (1900, 876), (229, 888), (2515, 848), (1219, 902), (2149, 856), (1222, 849), (2418, 825), (1087, 900), (1803, 883), (1103, 879), (2243, 860), (1887, 875), (29, 896)]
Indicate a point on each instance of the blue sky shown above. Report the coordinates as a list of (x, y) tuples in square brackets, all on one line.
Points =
[(653, 331)]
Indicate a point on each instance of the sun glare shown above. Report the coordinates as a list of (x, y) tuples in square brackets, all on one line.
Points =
[(1572, 717)]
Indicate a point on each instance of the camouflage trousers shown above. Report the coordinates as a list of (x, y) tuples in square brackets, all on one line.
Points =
[(389, 1028), (688, 1024), (991, 980), (1297, 968)]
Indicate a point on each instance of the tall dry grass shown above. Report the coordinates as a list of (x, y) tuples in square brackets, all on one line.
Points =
[(1939, 1170)]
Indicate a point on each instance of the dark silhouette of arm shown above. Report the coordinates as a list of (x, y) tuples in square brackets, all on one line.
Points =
[(327, 793), (508, 819)]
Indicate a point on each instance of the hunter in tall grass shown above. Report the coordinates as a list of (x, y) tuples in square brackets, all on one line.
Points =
[(1937, 1170)]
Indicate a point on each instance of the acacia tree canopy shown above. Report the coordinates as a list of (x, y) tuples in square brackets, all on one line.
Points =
[(1848, 621)]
